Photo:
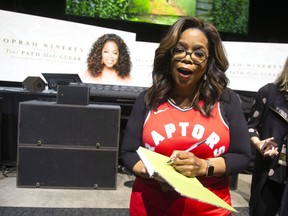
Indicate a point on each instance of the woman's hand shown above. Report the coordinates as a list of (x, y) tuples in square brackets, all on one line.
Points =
[(188, 164), (266, 147), (140, 170)]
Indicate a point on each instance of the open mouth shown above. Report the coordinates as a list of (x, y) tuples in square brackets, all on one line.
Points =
[(184, 71)]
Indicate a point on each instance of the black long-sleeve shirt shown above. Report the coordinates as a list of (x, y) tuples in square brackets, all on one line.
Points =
[(239, 151)]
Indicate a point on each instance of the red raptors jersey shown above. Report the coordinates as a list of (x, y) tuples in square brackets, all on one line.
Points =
[(172, 128)]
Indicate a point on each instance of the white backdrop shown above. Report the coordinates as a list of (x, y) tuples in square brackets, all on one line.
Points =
[(253, 65), (31, 45)]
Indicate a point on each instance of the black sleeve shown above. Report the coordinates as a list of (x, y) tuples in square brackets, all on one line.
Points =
[(133, 133), (258, 108), (238, 155)]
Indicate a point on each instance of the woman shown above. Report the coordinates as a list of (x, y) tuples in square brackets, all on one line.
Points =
[(268, 126), (188, 101), (108, 61)]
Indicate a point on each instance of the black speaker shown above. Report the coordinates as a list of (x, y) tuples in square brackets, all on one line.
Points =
[(67, 146), (78, 95), (49, 123), (67, 167), (32, 83)]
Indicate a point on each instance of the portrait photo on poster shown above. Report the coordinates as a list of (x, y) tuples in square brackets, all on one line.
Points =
[(109, 61)]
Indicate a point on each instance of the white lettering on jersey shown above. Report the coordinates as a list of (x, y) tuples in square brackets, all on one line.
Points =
[(219, 151), (157, 138), (198, 131), (183, 126), (212, 140), (170, 129), (149, 147)]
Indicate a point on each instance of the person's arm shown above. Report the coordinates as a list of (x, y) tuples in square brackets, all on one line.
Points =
[(239, 152), (257, 142), (183, 161), (140, 170), (254, 121), (133, 137), (266, 146)]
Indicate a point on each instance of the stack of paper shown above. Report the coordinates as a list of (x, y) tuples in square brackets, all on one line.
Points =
[(156, 164)]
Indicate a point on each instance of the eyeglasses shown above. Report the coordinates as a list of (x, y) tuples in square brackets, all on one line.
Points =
[(197, 56)]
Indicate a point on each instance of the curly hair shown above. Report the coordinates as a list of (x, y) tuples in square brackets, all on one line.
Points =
[(123, 66), (211, 89)]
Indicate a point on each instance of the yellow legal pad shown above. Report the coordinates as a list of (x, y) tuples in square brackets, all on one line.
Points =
[(156, 164)]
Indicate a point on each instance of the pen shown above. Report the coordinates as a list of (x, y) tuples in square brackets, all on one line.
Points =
[(189, 149)]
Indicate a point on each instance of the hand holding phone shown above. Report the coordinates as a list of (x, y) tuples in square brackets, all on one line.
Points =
[(269, 149), (268, 145)]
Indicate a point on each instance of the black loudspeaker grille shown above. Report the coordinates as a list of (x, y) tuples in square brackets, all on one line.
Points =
[(67, 146), (32, 83), (48, 123), (66, 168)]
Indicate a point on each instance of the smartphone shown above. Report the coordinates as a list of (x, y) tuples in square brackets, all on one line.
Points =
[(268, 145)]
